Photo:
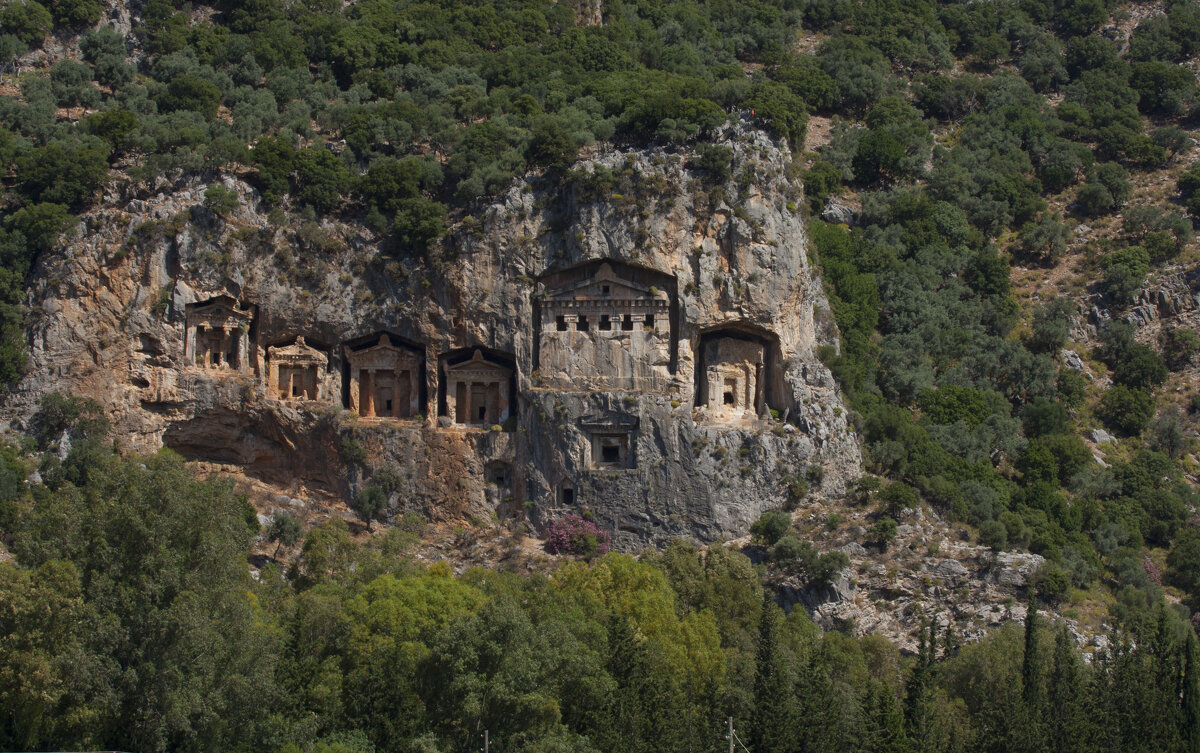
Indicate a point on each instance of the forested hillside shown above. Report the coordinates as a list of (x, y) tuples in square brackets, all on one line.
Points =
[(130, 620), (1000, 196)]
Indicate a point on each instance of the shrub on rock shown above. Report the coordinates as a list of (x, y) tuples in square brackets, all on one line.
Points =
[(571, 534)]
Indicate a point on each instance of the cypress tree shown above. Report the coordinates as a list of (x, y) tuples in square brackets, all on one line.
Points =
[(1164, 730), (1033, 738), (885, 721), (1191, 694), (916, 697), (1031, 689), (1067, 732), (772, 687)]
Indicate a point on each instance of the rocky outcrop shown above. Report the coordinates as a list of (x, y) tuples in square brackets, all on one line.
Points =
[(931, 573), (630, 425)]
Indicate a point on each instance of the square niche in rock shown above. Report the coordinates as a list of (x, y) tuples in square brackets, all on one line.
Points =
[(612, 441)]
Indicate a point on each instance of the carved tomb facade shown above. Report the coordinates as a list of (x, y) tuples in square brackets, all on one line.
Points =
[(603, 330), (384, 380), (217, 335), (296, 371)]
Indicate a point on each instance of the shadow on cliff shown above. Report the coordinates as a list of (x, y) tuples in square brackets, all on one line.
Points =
[(278, 447)]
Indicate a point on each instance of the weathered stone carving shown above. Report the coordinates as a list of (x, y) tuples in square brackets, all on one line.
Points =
[(478, 391), (602, 330), (733, 368), (217, 335), (384, 380), (611, 442), (296, 371), (737, 376)]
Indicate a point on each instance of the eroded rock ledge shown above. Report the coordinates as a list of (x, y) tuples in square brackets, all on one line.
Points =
[(630, 340)]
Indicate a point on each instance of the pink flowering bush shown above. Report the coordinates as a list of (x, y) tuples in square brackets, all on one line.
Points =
[(1152, 570), (571, 534)]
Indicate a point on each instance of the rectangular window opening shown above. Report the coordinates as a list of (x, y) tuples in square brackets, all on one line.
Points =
[(605, 322), (568, 496), (610, 453), (649, 322), (627, 322), (604, 289), (560, 323), (581, 324)]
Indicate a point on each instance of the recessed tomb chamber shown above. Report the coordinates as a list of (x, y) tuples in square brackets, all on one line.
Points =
[(737, 373), (296, 370), (611, 441), (476, 389), (385, 378), (217, 335)]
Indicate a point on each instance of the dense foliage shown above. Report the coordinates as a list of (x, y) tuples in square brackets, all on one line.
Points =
[(974, 135), (960, 390), (129, 620)]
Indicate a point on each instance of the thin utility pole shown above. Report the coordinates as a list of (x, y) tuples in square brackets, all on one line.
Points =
[(731, 738), (485, 741)]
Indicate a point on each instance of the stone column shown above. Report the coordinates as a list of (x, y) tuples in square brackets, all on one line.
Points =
[(414, 392), (367, 390), (189, 345), (462, 402), (243, 349), (396, 411)]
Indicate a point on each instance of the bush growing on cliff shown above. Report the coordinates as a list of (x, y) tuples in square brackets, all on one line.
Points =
[(369, 503), (883, 532), (794, 553), (771, 526), (571, 534), (1126, 410)]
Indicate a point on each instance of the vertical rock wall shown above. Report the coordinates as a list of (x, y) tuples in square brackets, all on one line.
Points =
[(646, 456)]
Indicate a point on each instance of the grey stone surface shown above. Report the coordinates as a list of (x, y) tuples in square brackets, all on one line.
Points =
[(838, 212)]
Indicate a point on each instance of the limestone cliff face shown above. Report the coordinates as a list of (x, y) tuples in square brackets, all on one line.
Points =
[(633, 340)]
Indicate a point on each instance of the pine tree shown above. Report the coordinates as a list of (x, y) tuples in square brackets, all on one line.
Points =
[(885, 722)]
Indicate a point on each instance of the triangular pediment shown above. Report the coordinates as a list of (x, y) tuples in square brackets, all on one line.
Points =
[(477, 362), (605, 283), (298, 351), (218, 308)]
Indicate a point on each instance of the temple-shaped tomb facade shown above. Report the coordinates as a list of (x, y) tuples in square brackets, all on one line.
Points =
[(604, 327), (384, 379), (217, 335), (733, 378), (478, 391), (296, 371)]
